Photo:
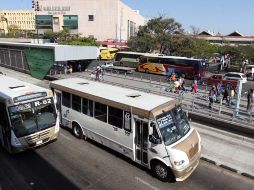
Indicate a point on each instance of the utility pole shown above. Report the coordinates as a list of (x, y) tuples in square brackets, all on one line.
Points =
[(238, 98), (35, 6), (121, 24)]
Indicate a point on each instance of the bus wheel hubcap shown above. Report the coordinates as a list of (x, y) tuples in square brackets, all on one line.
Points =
[(160, 171)]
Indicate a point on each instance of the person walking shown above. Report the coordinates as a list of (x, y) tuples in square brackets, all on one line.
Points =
[(65, 70), (194, 86), (228, 94), (181, 82), (250, 103), (219, 91), (212, 96), (79, 67), (97, 73)]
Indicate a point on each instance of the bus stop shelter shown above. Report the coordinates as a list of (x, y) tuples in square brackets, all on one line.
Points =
[(41, 59)]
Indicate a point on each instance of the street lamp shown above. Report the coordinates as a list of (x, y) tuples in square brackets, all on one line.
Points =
[(35, 6)]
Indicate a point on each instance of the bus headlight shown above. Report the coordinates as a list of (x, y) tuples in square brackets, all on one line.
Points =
[(57, 126), (179, 163)]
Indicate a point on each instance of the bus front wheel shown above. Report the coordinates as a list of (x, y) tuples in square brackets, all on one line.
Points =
[(77, 131), (162, 172)]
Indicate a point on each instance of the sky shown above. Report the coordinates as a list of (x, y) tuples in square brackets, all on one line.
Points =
[(223, 16)]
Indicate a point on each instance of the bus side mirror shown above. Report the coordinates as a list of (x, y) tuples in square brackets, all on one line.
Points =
[(151, 128)]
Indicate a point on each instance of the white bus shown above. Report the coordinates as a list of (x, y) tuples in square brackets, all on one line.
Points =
[(28, 115), (150, 129)]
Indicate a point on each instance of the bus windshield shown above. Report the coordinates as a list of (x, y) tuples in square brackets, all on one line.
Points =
[(32, 117), (173, 125)]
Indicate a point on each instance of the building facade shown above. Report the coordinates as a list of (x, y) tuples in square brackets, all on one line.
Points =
[(234, 38), (25, 20), (101, 19)]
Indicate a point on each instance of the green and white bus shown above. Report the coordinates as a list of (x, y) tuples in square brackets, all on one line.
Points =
[(151, 130), (28, 115)]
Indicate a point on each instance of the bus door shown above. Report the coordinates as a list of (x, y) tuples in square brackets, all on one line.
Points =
[(141, 141), (4, 126), (59, 104)]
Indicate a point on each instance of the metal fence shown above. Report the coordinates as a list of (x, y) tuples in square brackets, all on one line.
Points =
[(192, 103)]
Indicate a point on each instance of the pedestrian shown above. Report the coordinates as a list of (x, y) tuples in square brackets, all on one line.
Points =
[(250, 101), (101, 72), (194, 86), (228, 91), (79, 67), (65, 69), (97, 72), (181, 82), (212, 96), (219, 91)]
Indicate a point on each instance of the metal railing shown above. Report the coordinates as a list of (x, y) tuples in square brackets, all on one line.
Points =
[(192, 103)]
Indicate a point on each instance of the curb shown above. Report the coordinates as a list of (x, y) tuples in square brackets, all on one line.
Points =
[(227, 168)]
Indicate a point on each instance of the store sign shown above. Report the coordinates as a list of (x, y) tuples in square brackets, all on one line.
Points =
[(56, 9)]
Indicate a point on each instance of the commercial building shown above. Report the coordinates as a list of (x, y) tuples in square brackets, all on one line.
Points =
[(101, 19), (234, 38), (25, 20)]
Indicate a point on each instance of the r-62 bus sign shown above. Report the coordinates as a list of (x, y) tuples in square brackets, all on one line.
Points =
[(42, 102)]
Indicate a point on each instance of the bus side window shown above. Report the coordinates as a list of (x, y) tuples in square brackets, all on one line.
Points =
[(66, 101)]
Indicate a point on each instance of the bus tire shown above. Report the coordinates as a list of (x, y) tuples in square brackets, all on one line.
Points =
[(77, 131), (146, 70), (162, 172)]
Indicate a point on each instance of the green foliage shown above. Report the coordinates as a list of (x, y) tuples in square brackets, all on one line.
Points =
[(155, 35), (65, 38), (14, 31)]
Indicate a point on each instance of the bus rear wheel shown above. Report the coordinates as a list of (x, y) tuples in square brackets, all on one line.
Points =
[(162, 172), (77, 131)]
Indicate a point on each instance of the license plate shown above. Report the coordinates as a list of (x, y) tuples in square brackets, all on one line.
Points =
[(38, 142)]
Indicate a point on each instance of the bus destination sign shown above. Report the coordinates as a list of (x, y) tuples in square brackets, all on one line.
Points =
[(29, 97)]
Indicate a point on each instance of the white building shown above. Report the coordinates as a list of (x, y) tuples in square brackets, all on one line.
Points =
[(101, 19)]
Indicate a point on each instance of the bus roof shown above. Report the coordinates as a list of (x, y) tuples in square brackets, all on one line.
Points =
[(131, 52), (98, 90), (11, 88), (171, 57)]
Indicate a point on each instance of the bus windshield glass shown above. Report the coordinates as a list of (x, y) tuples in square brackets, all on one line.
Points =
[(32, 117), (173, 125)]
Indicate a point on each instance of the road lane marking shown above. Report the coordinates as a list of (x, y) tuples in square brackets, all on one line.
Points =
[(66, 137), (146, 183)]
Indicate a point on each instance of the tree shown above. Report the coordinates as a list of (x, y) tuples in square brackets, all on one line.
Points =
[(156, 34), (194, 30), (14, 31), (50, 35)]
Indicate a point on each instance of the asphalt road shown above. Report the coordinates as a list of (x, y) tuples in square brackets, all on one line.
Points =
[(70, 163)]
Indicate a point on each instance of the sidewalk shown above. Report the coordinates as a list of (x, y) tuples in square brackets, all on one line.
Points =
[(227, 150)]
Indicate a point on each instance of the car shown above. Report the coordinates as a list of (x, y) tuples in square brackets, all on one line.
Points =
[(236, 76), (106, 65), (217, 78)]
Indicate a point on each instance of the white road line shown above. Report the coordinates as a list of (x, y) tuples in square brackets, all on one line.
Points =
[(146, 183), (68, 138)]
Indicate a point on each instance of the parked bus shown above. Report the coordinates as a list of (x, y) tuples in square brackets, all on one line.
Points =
[(165, 65), (108, 54), (151, 130), (128, 59), (28, 115)]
